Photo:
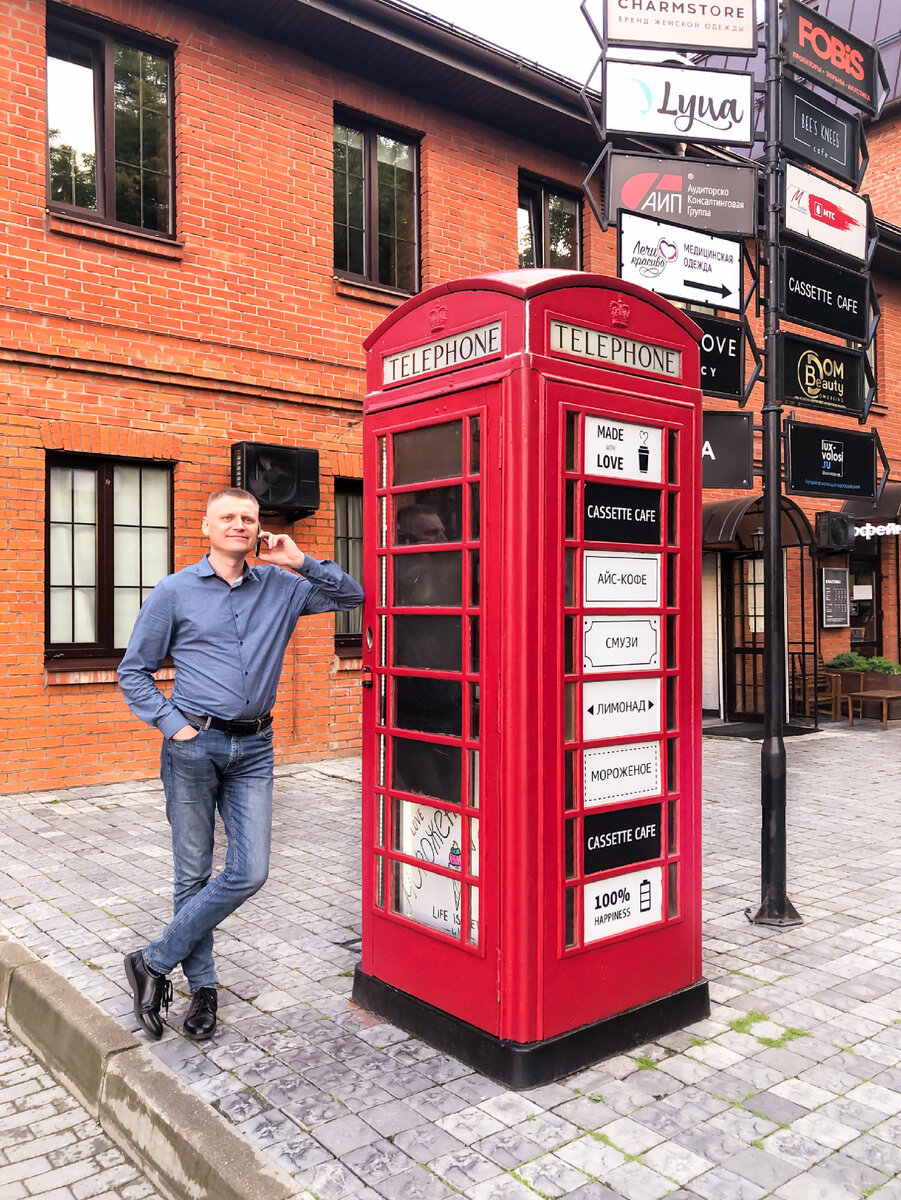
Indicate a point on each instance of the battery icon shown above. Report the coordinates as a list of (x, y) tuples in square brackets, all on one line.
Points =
[(644, 896)]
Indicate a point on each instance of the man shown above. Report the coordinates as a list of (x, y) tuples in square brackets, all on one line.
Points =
[(226, 626)]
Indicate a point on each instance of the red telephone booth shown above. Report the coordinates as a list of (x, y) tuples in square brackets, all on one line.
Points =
[(531, 780)]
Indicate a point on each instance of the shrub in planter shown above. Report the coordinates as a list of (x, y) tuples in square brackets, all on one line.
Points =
[(882, 666), (848, 660)]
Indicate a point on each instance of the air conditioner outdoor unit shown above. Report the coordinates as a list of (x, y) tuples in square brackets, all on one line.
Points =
[(834, 532), (284, 480)]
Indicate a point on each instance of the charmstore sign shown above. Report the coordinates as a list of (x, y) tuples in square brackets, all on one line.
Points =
[(696, 24), (681, 103)]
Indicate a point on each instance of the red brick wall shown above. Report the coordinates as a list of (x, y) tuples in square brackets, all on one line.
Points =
[(120, 344)]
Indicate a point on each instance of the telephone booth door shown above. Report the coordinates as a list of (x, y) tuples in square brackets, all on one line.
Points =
[(425, 882)]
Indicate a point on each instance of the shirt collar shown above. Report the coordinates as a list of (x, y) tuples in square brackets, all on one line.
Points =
[(204, 569)]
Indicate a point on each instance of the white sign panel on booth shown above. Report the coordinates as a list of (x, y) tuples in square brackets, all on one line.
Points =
[(628, 579), (614, 774), (622, 903), (620, 643), (696, 26), (682, 104), (828, 214), (620, 707), (684, 264), (621, 450)]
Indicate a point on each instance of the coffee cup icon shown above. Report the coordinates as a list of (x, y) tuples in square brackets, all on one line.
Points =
[(644, 453)]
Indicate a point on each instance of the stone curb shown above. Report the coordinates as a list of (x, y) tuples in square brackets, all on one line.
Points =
[(183, 1146)]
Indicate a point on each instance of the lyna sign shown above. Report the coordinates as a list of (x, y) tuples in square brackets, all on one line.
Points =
[(679, 103)]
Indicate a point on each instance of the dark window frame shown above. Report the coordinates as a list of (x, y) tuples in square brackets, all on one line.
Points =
[(101, 652), (371, 130), (97, 38), (534, 196), (347, 645)]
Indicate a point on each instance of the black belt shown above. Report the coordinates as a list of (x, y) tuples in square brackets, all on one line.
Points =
[(233, 728)]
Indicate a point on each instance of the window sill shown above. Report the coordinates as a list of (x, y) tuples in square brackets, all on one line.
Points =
[(110, 235), (61, 673), (345, 663), (374, 293)]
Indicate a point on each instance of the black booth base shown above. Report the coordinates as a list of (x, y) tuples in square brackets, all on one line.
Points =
[(521, 1065)]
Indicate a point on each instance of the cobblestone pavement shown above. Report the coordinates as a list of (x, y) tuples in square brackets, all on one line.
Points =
[(49, 1146), (791, 1089)]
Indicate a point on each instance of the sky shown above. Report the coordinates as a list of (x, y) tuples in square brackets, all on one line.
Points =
[(553, 33)]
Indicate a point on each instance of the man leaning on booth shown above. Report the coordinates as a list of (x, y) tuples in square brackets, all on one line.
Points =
[(226, 625)]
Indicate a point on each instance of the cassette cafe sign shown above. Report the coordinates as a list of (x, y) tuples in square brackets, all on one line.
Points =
[(695, 24), (832, 57)]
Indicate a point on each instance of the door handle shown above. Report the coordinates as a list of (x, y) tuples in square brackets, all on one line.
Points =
[(366, 681)]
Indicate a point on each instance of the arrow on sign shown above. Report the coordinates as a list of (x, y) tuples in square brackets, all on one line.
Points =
[(591, 708), (720, 290)]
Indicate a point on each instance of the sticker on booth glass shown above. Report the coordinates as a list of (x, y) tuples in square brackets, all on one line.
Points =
[(620, 643), (621, 579), (620, 707), (432, 834), (619, 837), (623, 450), (428, 899), (615, 513), (613, 774), (613, 906)]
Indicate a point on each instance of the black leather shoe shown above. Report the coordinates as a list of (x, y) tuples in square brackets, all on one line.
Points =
[(200, 1023), (150, 992)]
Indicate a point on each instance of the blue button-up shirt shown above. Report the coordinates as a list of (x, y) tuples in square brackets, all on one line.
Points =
[(227, 641)]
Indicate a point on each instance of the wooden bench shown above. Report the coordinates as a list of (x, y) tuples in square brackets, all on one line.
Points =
[(884, 696)]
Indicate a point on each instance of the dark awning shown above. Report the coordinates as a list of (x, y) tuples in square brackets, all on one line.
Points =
[(731, 524), (887, 508)]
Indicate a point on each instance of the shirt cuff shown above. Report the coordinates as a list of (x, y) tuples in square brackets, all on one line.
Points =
[(171, 723)]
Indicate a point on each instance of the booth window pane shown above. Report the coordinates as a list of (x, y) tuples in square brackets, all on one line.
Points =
[(572, 426), (427, 769), (433, 834), (474, 579), (672, 881), (426, 897), (433, 580), (428, 705), (671, 827), (474, 445), (473, 846), (431, 452), (569, 849), (474, 645), (474, 714), (429, 517), (570, 696), (673, 455), (473, 934), (569, 794), (474, 798), (428, 643), (474, 516), (569, 518), (569, 917)]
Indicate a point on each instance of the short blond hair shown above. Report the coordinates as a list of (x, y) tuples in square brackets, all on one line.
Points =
[(234, 492)]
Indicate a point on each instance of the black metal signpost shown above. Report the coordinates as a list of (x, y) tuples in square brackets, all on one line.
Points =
[(805, 289)]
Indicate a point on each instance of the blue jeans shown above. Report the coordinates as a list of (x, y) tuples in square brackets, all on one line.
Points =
[(209, 772)]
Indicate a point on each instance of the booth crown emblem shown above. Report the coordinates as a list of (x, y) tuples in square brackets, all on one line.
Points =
[(437, 318), (620, 312)]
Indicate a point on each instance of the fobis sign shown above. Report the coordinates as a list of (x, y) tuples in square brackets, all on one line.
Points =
[(832, 57), (696, 24), (680, 103)]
